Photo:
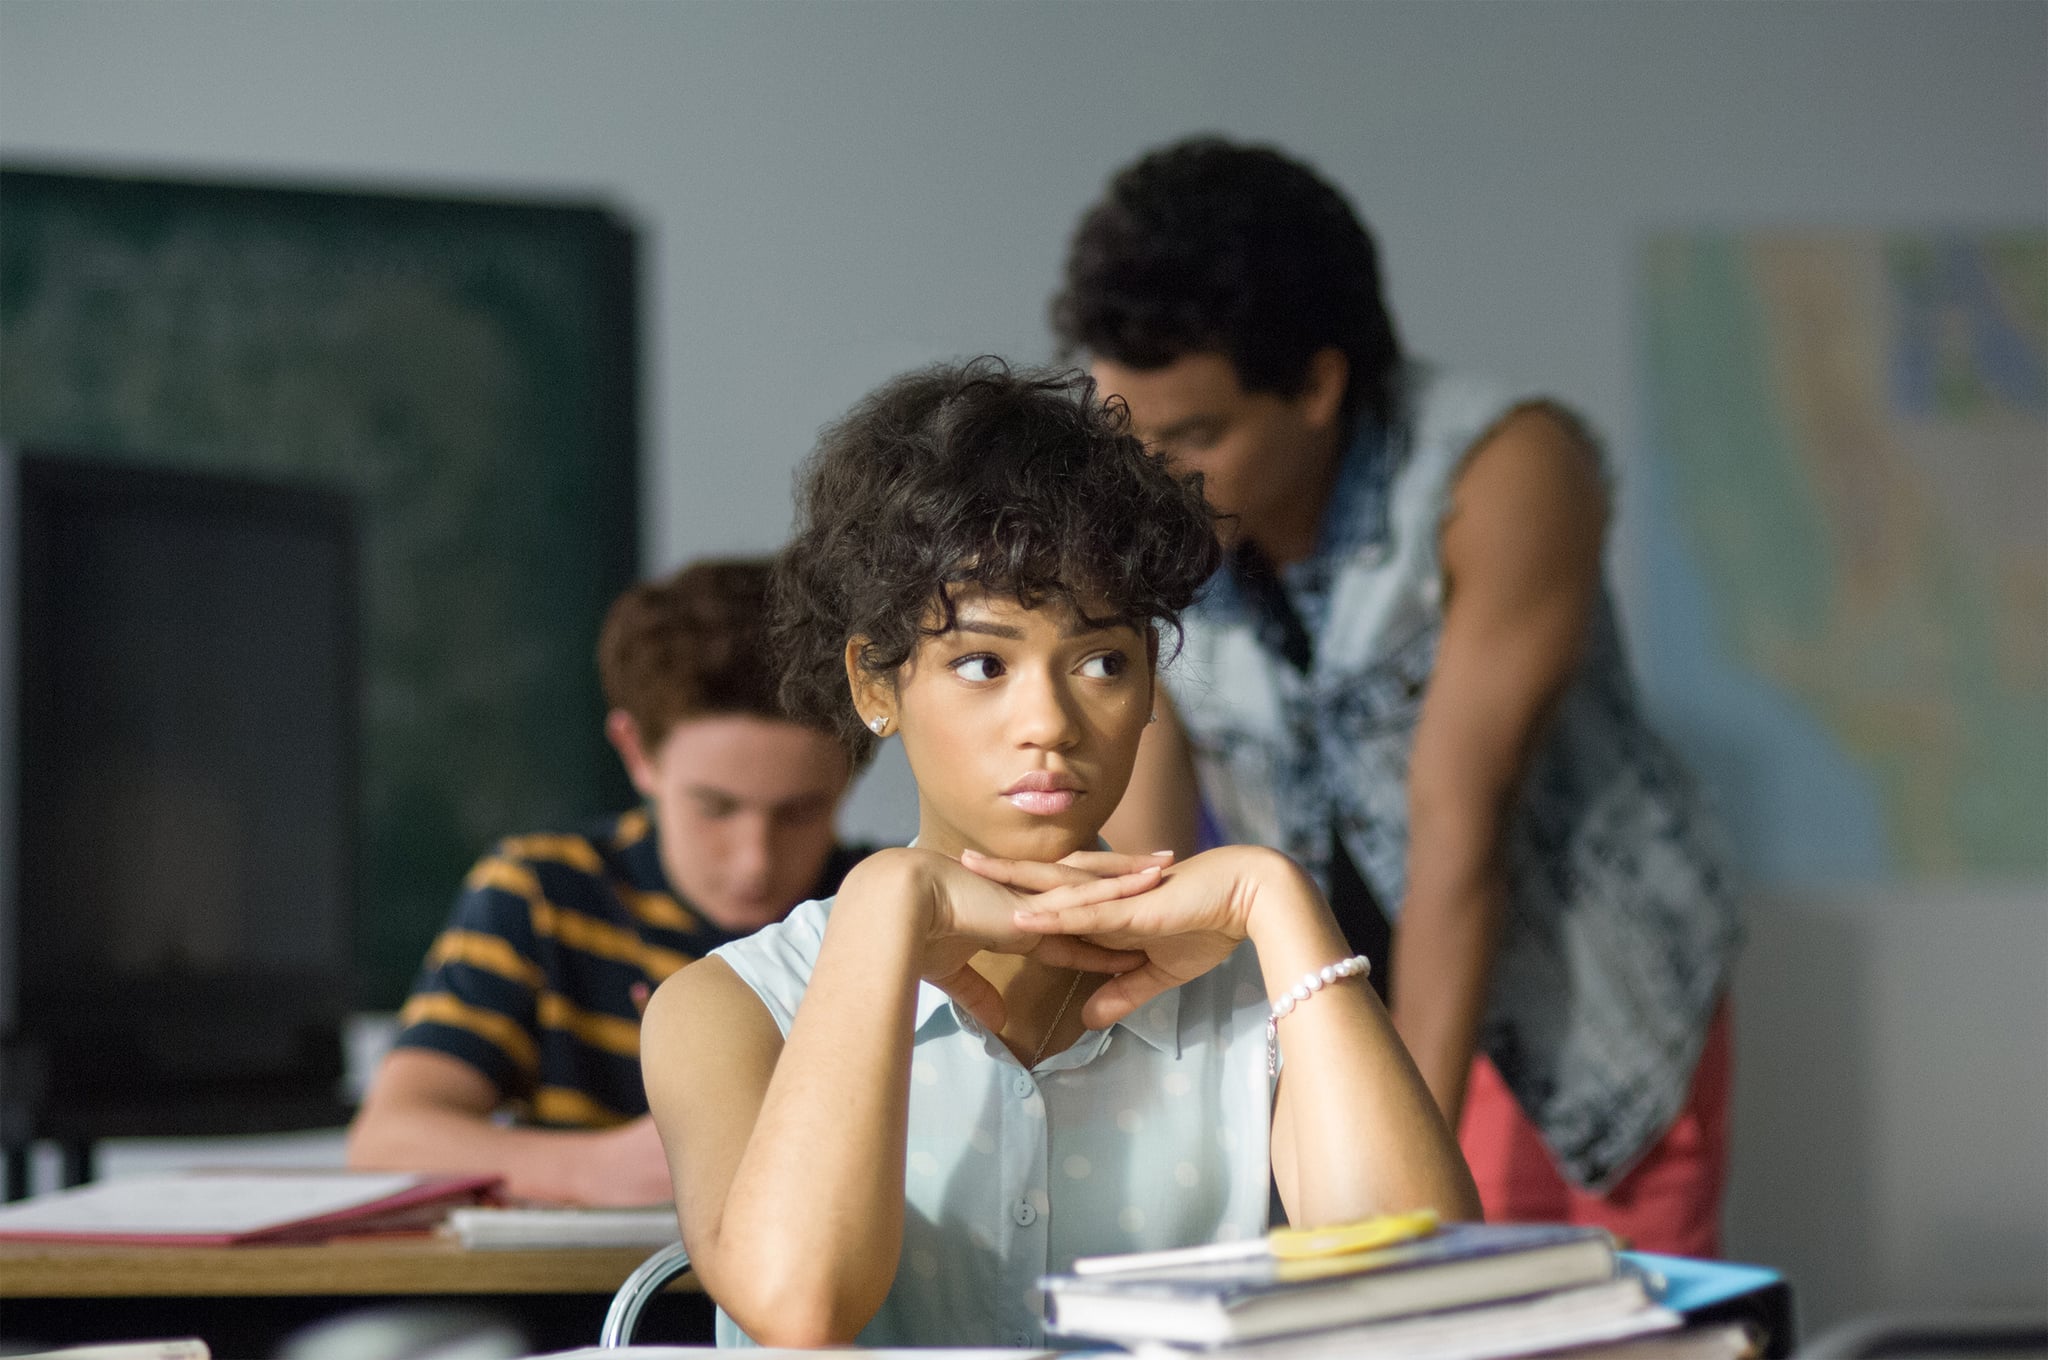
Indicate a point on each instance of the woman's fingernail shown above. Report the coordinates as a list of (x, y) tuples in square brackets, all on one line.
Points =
[(971, 854), (1162, 854)]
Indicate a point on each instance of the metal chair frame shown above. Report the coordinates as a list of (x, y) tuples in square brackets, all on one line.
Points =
[(649, 1278)]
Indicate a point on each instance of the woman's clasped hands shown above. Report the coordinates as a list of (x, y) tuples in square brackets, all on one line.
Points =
[(963, 914), (1167, 928)]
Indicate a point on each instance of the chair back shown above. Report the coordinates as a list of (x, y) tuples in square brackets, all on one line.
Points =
[(649, 1278)]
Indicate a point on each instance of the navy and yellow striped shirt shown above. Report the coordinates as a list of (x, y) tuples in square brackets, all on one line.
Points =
[(531, 981)]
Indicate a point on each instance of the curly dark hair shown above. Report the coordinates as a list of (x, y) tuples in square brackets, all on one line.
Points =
[(1211, 246), (1021, 482)]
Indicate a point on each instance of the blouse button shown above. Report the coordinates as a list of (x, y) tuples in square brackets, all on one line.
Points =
[(1024, 1213), (1022, 1086)]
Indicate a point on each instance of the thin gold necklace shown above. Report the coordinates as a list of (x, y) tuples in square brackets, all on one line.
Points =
[(1057, 1016)]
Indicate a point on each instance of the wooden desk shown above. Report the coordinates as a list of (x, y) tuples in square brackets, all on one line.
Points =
[(414, 1264), (245, 1300)]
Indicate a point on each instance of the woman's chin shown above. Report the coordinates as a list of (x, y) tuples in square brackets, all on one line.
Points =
[(1044, 841)]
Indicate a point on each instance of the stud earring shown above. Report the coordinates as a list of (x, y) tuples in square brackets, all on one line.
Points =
[(878, 724), (1153, 719)]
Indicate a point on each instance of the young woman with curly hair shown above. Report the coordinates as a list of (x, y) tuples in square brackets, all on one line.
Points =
[(1005, 1047)]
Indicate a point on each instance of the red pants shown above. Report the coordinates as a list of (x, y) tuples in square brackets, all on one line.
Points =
[(1670, 1201)]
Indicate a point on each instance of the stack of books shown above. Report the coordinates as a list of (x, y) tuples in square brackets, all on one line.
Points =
[(1462, 1291)]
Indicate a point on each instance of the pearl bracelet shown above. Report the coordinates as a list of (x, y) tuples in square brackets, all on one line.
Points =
[(1358, 965)]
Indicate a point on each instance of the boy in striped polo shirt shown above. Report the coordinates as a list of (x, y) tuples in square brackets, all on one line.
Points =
[(529, 1001)]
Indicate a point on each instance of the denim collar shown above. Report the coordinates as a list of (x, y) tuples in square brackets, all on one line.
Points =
[(1354, 522)]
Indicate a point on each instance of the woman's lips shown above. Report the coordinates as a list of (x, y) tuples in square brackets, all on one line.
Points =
[(1043, 802), (1042, 794)]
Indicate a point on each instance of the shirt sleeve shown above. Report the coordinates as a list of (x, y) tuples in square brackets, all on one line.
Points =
[(776, 961), (475, 997)]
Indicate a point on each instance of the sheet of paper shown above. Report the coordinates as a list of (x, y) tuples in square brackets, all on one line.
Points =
[(200, 1202)]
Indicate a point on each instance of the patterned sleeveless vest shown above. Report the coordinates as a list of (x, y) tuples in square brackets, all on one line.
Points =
[(1620, 924)]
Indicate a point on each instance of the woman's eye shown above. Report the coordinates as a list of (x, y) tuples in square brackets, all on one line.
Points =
[(1107, 666), (977, 668)]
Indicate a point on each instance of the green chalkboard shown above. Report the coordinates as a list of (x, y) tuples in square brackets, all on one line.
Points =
[(465, 369)]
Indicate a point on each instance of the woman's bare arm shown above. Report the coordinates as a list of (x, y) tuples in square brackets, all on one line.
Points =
[(1355, 1129), (788, 1155)]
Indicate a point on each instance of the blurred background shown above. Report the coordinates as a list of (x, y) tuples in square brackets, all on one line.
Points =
[(1791, 259)]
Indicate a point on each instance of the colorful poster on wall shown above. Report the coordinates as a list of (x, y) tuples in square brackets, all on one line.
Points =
[(1854, 432)]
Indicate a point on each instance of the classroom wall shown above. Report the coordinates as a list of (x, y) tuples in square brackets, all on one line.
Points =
[(832, 192)]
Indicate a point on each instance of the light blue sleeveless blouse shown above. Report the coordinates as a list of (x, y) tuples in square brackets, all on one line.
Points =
[(1152, 1133)]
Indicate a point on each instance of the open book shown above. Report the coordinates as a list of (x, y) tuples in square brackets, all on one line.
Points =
[(221, 1208)]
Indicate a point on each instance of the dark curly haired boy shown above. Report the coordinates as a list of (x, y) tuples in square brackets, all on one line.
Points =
[(1408, 677)]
